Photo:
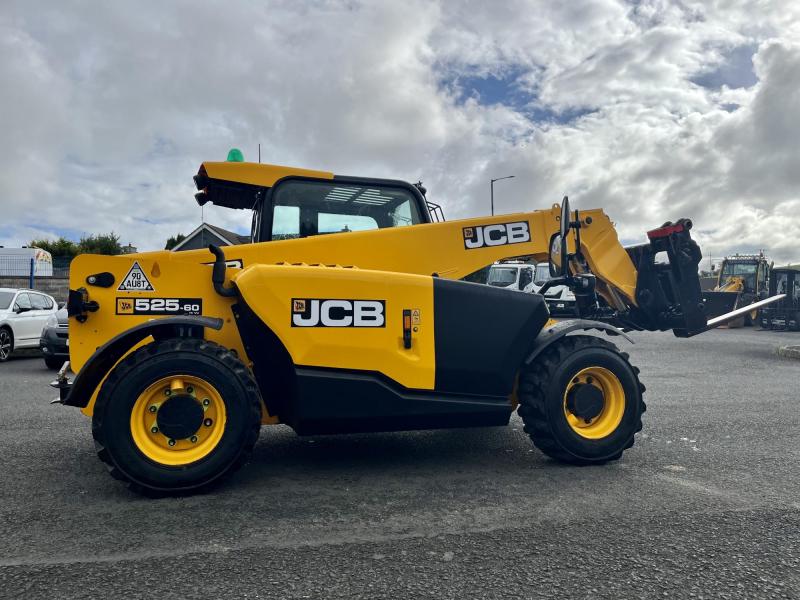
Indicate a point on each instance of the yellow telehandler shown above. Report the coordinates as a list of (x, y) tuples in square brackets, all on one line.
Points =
[(346, 313)]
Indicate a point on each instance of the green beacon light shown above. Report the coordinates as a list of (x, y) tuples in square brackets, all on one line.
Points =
[(235, 155)]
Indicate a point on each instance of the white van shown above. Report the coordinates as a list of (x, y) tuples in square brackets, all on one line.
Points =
[(16, 262)]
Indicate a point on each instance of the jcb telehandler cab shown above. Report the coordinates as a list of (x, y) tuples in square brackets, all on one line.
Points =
[(347, 314)]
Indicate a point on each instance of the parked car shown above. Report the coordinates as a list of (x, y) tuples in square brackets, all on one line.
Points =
[(23, 314), (55, 340)]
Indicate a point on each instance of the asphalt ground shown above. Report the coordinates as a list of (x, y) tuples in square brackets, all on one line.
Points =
[(705, 505)]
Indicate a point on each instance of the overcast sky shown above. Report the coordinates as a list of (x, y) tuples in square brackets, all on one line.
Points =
[(652, 110)]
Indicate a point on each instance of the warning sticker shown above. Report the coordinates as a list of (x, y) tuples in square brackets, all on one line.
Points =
[(135, 281), (415, 316)]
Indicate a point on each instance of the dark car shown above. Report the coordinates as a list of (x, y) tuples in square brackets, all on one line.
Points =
[(55, 340)]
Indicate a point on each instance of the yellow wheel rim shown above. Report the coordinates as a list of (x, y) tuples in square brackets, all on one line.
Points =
[(193, 420), (613, 403)]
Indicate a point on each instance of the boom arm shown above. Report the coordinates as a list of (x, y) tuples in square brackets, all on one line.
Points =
[(638, 292)]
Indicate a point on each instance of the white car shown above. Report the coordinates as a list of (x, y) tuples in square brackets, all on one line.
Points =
[(23, 315)]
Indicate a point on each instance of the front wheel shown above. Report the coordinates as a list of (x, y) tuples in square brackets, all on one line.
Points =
[(6, 343), (176, 416), (581, 401)]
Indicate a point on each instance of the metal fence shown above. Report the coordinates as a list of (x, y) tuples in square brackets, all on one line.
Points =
[(61, 266), (26, 266)]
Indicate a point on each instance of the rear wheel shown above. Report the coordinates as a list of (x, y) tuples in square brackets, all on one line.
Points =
[(6, 343), (176, 416), (581, 401)]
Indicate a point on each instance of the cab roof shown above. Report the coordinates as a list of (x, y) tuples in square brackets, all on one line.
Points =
[(235, 184)]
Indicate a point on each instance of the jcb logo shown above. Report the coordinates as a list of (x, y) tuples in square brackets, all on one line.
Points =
[(500, 234), (312, 312), (124, 306)]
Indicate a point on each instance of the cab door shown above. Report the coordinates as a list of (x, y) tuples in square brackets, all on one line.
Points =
[(24, 319), (42, 309)]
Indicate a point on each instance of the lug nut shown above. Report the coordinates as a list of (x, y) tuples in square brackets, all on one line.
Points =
[(154, 429), (590, 380), (167, 392), (206, 401), (171, 442), (189, 390), (193, 439), (208, 422), (153, 408)]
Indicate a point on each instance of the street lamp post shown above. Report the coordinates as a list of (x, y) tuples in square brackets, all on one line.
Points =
[(491, 187)]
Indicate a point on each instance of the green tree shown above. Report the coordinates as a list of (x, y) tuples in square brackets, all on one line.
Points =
[(174, 241), (107, 243), (60, 248)]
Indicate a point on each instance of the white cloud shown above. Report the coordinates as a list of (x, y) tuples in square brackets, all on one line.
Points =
[(107, 111)]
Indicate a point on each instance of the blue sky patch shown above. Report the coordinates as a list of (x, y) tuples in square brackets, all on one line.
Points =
[(735, 71), (506, 89)]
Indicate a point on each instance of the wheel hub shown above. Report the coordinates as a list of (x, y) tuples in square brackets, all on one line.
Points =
[(585, 401), (178, 419), (180, 416)]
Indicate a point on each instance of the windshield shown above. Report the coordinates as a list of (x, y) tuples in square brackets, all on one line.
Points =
[(502, 276), (5, 299), (306, 208), (542, 273), (746, 271)]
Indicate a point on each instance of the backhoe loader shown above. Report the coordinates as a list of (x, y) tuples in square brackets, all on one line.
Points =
[(346, 313), (741, 280)]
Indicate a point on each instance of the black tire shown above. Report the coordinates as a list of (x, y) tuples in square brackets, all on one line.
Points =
[(54, 362), (6, 343), (112, 412), (542, 385)]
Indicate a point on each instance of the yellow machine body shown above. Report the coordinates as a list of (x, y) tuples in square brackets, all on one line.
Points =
[(398, 267), (331, 329)]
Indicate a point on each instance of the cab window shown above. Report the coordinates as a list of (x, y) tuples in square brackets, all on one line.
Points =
[(502, 276), (306, 208)]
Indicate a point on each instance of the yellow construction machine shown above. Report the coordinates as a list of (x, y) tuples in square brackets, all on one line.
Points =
[(742, 279), (346, 313)]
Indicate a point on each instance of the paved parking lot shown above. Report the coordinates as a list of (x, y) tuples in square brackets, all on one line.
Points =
[(707, 504)]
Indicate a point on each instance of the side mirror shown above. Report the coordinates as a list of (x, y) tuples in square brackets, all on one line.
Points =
[(559, 265)]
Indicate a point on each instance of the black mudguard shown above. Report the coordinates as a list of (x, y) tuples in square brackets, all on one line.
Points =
[(551, 334), (106, 356)]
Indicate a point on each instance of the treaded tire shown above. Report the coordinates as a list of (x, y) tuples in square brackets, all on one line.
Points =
[(541, 397), (54, 363), (111, 418), (7, 337)]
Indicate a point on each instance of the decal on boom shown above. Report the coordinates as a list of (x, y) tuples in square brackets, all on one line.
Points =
[(499, 234)]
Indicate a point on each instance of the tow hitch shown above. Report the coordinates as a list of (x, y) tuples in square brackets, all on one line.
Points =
[(62, 384)]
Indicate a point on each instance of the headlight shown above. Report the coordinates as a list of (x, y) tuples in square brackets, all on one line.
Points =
[(52, 321)]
